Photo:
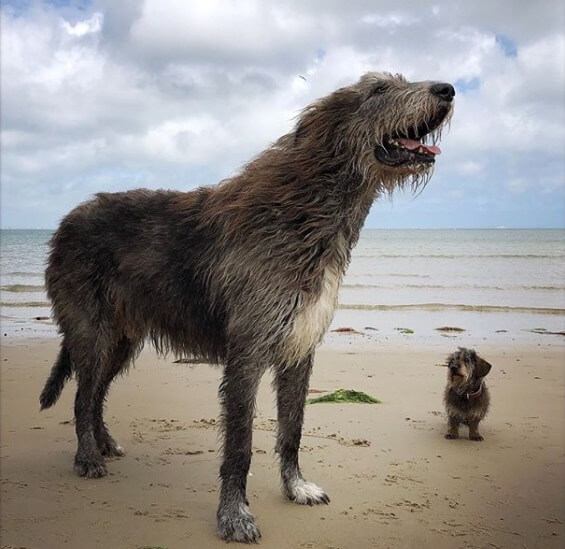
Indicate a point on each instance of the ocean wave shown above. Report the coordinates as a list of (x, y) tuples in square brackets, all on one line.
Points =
[(458, 256), (22, 288), (404, 275), (35, 274), (372, 275), (450, 287), (560, 288), (401, 286), (20, 304), (452, 306)]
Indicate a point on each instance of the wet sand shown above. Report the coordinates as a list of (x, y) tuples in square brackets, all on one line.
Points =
[(394, 481)]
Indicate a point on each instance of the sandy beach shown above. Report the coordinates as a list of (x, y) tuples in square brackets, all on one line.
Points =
[(394, 481)]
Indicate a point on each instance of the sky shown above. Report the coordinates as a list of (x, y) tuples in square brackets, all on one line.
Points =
[(108, 96)]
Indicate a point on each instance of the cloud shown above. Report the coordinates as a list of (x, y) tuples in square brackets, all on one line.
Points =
[(113, 95), (82, 28)]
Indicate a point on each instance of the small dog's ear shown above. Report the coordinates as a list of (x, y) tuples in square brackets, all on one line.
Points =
[(483, 367)]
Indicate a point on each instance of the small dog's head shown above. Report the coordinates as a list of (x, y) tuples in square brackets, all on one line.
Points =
[(464, 368)]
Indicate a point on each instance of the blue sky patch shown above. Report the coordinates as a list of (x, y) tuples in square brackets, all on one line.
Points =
[(19, 7), (467, 85), (507, 45)]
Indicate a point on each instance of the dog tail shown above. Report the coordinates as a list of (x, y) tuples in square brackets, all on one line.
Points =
[(60, 373)]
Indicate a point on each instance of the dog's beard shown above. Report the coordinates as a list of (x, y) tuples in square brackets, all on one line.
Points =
[(456, 378), (468, 385), (460, 382)]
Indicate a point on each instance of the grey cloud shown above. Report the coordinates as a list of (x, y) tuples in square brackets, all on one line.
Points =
[(177, 99)]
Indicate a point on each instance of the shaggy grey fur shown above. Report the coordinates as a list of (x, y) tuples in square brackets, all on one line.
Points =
[(244, 274)]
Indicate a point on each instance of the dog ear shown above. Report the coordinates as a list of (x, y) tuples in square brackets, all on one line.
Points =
[(319, 121), (483, 367)]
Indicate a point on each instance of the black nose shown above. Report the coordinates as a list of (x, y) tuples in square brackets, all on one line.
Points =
[(454, 367), (443, 91)]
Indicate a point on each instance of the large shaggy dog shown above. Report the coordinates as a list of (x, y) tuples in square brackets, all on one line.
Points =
[(245, 274)]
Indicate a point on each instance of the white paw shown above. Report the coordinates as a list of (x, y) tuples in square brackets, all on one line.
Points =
[(305, 493)]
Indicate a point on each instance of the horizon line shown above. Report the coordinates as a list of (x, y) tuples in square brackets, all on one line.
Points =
[(500, 228)]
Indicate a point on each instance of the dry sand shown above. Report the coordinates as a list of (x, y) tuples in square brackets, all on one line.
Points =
[(393, 479)]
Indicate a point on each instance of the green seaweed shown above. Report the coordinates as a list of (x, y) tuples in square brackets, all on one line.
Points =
[(343, 396), (405, 330)]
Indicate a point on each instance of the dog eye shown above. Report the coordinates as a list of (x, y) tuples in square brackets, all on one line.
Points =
[(378, 90)]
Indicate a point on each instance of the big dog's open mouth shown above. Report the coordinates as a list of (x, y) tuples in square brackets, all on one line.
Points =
[(401, 150), (412, 147)]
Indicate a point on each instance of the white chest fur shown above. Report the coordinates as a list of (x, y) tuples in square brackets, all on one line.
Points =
[(313, 320)]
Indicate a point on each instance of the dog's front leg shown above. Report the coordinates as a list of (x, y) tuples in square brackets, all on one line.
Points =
[(292, 388), (237, 394), (474, 431), (453, 428)]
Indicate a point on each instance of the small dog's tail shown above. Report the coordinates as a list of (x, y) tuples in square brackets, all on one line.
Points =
[(60, 373)]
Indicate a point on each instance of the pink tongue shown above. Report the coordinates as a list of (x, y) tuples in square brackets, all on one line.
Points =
[(412, 145)]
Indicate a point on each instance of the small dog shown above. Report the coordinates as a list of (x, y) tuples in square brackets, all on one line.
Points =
[(466, 395)]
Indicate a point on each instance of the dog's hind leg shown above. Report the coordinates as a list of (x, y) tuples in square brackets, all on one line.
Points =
[(89, 461), (97, 355), (119, 358), (292, 389), (237, 395)]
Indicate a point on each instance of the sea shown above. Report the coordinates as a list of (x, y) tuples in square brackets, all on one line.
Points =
[(422, 285)]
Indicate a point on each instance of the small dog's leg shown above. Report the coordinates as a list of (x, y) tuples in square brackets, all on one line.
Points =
[(453, 428), (237, 394), (292, 389), (474, 431)]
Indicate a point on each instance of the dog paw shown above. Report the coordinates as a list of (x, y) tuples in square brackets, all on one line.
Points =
[(451, 436), (239, 526), (110, 448), (476, 437), (90, 468), (305, 493)]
